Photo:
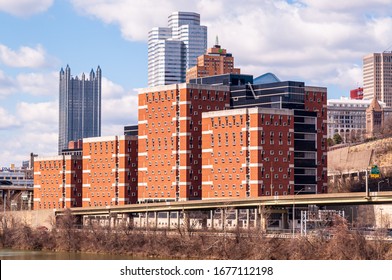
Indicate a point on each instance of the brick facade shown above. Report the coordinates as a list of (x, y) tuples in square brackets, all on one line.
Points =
[(109, 171), (170, 139), (58, 182), (247, 153)]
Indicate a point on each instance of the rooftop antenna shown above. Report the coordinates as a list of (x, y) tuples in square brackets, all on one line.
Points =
[(216, 41), (390, 46)]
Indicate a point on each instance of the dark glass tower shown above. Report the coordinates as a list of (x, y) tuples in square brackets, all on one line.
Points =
[(80, 107)]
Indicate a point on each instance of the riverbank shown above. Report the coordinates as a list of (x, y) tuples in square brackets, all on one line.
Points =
[(185, 244)]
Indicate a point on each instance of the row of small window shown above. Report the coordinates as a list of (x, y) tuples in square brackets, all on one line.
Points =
[(159, 188), (50, 205), (162, 194), (100, 194), (51, 182), (169, 178), (57, 195), (57, 167)]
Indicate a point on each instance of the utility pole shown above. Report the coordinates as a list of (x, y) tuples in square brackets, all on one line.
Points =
[(366, 184)]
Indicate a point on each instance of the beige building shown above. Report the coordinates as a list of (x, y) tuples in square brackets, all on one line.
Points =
[(377, 77)]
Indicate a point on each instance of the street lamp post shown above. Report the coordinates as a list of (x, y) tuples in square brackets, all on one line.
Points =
[(378, 184), (294, 209)]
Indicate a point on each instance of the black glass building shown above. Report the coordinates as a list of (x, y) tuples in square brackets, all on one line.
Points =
[(79, 107)]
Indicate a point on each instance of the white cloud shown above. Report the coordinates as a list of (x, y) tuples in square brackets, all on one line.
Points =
[(33, 128), (305, 38), (25, 8), (38, 115), (119, 108), (7, 120), (7, 85), (134, 17), (24, 57), (39, 84)]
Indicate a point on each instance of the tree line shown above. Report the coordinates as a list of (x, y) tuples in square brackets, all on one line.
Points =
[(183, 243)]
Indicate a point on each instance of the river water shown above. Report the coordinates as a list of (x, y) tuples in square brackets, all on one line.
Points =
[(7, 254)]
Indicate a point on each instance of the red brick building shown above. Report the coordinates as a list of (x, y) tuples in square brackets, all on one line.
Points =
[(170, 139), (58, 182), (247, 153), (109, 171), (216, 61)]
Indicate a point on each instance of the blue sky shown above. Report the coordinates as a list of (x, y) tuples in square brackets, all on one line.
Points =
[(320, 42)]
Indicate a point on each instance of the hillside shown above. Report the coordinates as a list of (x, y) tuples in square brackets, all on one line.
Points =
[(358, 157)]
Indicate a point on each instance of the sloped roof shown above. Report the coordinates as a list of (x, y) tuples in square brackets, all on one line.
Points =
[(374, 105), (265, 79)]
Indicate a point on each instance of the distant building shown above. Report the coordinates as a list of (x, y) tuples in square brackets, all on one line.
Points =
[(348, 118), (20, 177), (131, 130), (216, 61), (377, 77), (79, 107), (356, 94), (374, 118), (173, 49)]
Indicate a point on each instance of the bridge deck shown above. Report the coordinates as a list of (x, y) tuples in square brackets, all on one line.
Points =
[(287, 200)]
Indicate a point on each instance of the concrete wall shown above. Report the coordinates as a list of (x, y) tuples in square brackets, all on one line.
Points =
[(35, 218)]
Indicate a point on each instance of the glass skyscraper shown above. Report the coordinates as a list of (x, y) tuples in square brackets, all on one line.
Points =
[(174, 49), (80, 107)]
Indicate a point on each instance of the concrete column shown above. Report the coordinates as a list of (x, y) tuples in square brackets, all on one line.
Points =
[(128, 221), (237, 221), (285, 222), (178, 219), (156, 219), (186, 221), (112, 221), (223, 218), (168, 219), (248, 218), (263, 222), (146, 219), (212, 212), (256, 218)]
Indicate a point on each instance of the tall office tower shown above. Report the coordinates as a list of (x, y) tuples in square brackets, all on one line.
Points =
[(216, 61), (173, 49), (80, 107), (377, 77)]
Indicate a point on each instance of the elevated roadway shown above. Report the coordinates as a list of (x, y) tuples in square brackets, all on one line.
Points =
[(270, 201)]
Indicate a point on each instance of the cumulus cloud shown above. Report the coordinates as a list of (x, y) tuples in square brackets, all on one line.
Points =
[(32, 128), (25, 8), (7, 85), (7, 120), (301, 37), (24, 57), (38, 114), (39, 84), (119, 108)]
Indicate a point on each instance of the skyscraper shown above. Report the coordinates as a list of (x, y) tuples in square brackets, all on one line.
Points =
[(80, 107), (173, 49), (377, 77)]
